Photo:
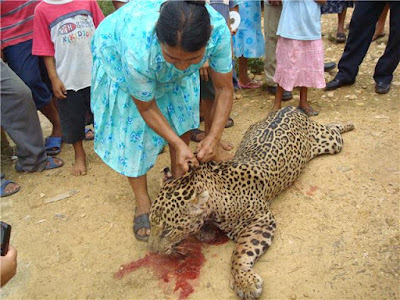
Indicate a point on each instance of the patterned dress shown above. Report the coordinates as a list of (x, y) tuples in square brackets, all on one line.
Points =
[(335, 6), (249, 40), (127, 61)]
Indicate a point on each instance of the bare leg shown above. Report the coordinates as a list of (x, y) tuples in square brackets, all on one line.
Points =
[(341, 19), (79, 167), (380, 25), (51, 113), (143, 203), (304, 105), (243, 78), (278, 98)]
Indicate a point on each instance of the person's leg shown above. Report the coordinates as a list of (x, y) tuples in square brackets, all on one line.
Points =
[(278, 98), (79, 166), (31, 70), (272, 13), (271, 21), (362, 27), (72, 111), (243, 77), (143, 203), (340, 35), (303, 103), (20, 120), (389, 61), (380, 25)]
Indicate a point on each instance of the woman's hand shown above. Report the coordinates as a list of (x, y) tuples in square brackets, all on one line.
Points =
[(184, 159), (204, 71), (207, 148)]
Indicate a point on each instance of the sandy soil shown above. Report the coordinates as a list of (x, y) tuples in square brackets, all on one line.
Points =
[(338, 225)]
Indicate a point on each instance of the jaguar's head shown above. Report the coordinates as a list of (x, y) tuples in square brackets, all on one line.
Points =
[(179, 210)]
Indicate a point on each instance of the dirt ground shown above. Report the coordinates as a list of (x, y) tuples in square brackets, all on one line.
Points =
[(338, 225)]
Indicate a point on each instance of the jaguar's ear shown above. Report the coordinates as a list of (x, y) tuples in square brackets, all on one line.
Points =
[(199, 204), (167, 176)]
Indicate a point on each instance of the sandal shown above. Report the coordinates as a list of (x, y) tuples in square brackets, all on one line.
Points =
[(309, 111), (195, 133), (53, 145), (249, 85), (340, 37), (4, 183), (229, 123), (89, 134), (140, 222), (50, 164)]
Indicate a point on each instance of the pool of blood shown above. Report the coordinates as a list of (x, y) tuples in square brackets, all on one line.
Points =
[(182, 269)]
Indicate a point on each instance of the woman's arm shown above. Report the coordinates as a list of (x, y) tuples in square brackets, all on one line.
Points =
[(223, 86), (156, 121)]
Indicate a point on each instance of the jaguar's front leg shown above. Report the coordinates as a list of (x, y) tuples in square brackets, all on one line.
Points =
[(253, 241)]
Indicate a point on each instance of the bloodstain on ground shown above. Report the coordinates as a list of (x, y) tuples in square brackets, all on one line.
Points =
[(312, 190), (181, 269)]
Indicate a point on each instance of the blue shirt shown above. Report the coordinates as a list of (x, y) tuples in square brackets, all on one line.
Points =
[(300, 20)]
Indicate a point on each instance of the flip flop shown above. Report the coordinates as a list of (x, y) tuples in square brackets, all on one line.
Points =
[(250, 85), (340, 38), (229, 123), (377, 37), (50, 164), (89, 134), (4, 183), (195, 133), (53, 145), (140, 222), (309, 112)]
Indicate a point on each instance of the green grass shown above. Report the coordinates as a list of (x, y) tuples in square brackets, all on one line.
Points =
[(106, 6)]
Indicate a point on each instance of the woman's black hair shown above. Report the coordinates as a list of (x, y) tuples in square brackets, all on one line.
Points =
[(185, 24)]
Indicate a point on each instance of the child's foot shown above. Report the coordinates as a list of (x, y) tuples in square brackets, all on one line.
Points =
[(79, 167), (276, 107)]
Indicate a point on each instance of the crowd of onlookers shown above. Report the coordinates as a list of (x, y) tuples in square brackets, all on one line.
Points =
[(47, 49)]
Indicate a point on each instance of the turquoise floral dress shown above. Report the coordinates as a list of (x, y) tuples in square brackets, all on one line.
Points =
[(127, 61)]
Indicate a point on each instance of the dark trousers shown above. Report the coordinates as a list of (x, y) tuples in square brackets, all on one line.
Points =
[(362, 28)]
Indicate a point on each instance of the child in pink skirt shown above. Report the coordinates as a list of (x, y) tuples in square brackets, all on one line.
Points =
[(299, 52)]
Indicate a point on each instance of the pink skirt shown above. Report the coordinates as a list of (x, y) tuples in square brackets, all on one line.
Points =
[(299, 63)]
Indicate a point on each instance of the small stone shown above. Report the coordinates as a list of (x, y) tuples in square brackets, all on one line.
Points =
[(83, 215), (60, 216), (330, 95), (360, 104), (42, 195), (381, 117), (382, 46), (238, 96), (251, 75), (258, 77), (396, 83), (353, 97), (296, 97), (293, 297), (358, 91), (41, 221), (376, 133), (208, 285), (347, 97), (365, 86), (344, 169)]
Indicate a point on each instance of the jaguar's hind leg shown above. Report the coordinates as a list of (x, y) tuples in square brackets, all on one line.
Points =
[(328, 138), (253, 241)]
